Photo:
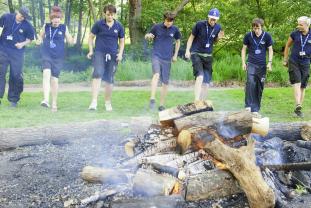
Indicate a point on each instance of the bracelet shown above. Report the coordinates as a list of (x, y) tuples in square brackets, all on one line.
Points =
[(270, 61)]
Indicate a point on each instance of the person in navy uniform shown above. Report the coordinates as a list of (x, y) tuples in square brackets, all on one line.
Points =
[(299, 61), (163, 36), (16, 34), (109, 46), (200, 48), (257, 42), (52, 36)]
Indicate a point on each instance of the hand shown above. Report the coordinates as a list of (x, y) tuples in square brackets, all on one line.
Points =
[(149, 36), (285, 63), (174, 59), (89, 55), (19, 45), (119, 57), (269, 66), (244, 66), (187, 54), (221, 34)]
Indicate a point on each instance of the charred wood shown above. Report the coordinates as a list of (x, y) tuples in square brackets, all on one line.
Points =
[(104, 175), (304, 144), (286, 131), (288, 166)]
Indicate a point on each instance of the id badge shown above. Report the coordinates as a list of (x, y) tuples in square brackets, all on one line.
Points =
[(257, 51), (9, 37), (207, 45), (52, 45), (302, 53)]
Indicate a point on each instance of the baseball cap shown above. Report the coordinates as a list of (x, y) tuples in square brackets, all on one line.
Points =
[(25, 12), (214, 13)]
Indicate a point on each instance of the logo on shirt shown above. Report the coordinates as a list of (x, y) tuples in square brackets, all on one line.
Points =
[(21, 30), (262, 42), (60, 32), (213, 35), (171, 34), (309, 41), (115, 31)]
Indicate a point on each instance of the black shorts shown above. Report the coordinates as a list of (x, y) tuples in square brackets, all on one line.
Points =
[(202, 66), (54, 64), (163, 67), (298, 73), (105, 66)]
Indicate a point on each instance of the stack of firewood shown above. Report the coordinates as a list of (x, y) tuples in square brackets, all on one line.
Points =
[(196, 153)]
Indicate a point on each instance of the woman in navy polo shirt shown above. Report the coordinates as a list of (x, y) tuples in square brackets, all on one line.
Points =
[(53, 35), (16, 34), (299, 62)]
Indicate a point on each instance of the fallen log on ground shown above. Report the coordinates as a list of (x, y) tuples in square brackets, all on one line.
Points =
[(104, 175), (287, 131)]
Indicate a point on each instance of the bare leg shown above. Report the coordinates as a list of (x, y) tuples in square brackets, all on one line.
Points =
[(297, 93), (204, 91), (108, 93), (163, 94), (54, 90), (154, 84), (46, 85), (95, 90), (302, 95), (197, 87)]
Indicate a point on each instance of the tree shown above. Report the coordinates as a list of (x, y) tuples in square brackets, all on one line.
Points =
[(10, 4), (136, 32), (42, 13)]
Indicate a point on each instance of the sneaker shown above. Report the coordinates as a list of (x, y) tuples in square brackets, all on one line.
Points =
[(93, 106), (13, 105), (45, 104), (108, 106), (152, 104), (248, 109), (161, 108), (298, 112)]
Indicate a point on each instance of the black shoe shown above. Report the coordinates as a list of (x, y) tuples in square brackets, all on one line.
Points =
[(298, 112), (161, 108), (13, 105), (152, 104)]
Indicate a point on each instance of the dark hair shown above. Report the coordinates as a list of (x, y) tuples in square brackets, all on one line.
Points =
[(56, 12), (169, 16), (257, 22), (111, 8)]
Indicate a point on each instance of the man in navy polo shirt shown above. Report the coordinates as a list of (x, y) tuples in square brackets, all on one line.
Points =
[(109, 46), (299, 62), (163, 35), (257, 42), (16, 34), (200, 48)]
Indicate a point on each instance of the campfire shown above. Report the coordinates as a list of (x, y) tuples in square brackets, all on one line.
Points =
[(196, 154)]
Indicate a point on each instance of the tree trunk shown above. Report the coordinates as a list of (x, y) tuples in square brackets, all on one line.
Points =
[(92, 9), (55, 2), (49, 5), (121, 15), (213, 184), (20, 3), (136, 33), (42, 13), (11, 7), (85, 27), (181, 6), (33, 13), (79, 34)]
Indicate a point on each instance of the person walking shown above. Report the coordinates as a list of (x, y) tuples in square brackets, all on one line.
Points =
[(17, 32), (200, 48), (299, 61), (163, 36), (52, 36), (257, 42), (109, 46)]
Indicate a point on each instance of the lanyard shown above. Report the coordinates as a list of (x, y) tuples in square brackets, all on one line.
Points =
[(303, 44), (208, 38), (52, 36), (16, 28), (257, 44)]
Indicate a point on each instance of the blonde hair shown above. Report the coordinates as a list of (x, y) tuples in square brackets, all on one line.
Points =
[(305, 19)]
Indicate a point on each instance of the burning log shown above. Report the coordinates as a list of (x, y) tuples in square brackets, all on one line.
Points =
[(149, 183), (288, 166), (212, 184), (304, 144), (306, 132), (288, 131), (167, 116), (103, 175)]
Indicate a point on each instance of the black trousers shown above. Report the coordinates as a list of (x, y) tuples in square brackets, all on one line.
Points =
[(256, 76), (16, 81)]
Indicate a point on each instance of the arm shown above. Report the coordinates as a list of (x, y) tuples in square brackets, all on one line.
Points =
[(121, 49), (286, 51), (220, 35), (69, 38), (149, 36), (243, 56), (269, 65), (41, 35), (189, 44), (177, 46), (20, 45), (90, 43)]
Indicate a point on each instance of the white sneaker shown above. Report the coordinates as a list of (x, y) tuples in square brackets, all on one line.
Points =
[(93, 106), (45, 104), (248, 109), (108, 106)]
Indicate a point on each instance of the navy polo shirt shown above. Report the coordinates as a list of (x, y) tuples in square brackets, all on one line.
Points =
[(107, 38), (57, 36), (163, 40), (295, 56), (262, 43), (20, 32), (204, 34)]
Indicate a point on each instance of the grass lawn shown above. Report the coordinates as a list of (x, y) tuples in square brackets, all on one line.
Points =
[(277, 104)]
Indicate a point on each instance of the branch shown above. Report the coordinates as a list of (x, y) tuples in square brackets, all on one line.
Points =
[(181, 6)]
